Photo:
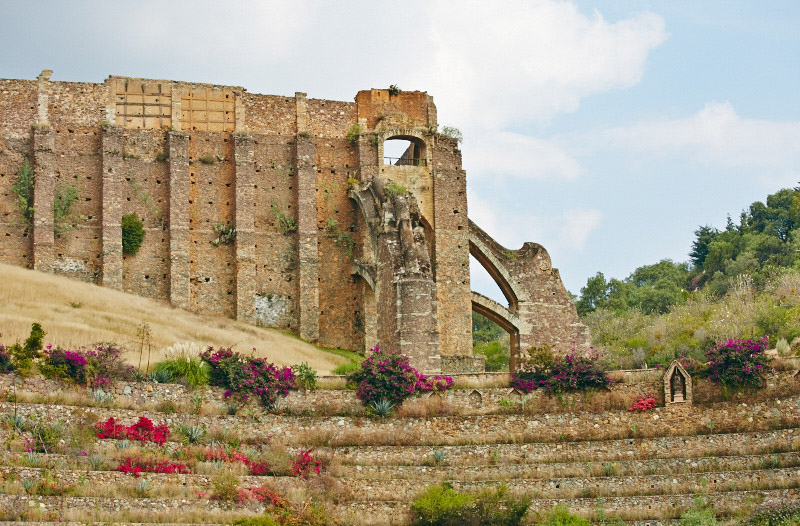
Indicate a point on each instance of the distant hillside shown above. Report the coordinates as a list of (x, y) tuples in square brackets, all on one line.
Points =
[(75, 313)]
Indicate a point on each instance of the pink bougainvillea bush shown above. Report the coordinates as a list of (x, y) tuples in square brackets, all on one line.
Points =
[(144, 430), (738, 363), (95, 367), (388, 376), (572, 372), (247, 376)]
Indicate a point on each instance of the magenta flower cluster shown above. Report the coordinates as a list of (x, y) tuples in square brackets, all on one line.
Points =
[(6, 365), (388, 375), (96, 367), (247, 376), (737, 363), (569, 373)]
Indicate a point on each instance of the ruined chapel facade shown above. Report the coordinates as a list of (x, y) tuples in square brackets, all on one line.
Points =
[(333, 240)]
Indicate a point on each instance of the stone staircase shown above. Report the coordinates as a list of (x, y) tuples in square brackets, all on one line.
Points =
[(641, 467)]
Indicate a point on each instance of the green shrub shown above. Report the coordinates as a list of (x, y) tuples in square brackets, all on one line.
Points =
[(132, 234), (192, 370), (497, 355), (441, 505), (346, 368), (699, 515), (560, 516), (264, 520), (305, 376), (23, 355), (775, 515)]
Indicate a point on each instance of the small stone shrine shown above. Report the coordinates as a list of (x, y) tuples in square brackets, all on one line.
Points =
[(677, 385)]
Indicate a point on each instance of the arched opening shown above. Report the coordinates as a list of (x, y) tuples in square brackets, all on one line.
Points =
[(483, 282), (495, 273), (401, 150), (492, 341)]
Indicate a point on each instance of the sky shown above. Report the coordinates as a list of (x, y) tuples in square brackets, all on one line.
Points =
[(607, 131)]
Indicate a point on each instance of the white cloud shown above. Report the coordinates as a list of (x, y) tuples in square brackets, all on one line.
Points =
[(716, 135), (516, 155), (578, 224), (496, 63)]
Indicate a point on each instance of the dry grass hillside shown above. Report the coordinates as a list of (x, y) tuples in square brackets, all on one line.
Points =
[(75, 313)]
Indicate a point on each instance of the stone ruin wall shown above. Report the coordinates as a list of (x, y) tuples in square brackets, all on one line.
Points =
[(135, 145)]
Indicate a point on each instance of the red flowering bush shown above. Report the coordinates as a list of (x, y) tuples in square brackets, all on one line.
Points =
[(246, 376), (737, 363), (136, 466), (643, 403), (144, 430), (261, 494), (306, 464), (388, 375)]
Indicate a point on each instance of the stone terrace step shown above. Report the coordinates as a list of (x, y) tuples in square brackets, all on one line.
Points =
[(459, 430), (678, 447), (145, 510), (98, 483), (570, 488), (648, 508), (502, 470)]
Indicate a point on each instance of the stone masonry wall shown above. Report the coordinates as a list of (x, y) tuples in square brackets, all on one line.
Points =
[(190, 159)]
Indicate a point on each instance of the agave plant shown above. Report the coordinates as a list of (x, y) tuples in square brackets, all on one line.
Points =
[(101, 397), (161, 376), (382, 407), (193, 433)]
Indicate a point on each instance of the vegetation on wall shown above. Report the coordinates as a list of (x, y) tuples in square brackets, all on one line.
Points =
[(354, 133), (132, 234), (343, 240), (453, 133), (286, 223), (226, 235), (23, 189), (63, 214)]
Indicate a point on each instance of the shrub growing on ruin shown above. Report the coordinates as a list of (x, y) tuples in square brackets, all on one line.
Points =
[(247, 376), (388, 376), (23, 189), (738, 363), (132, 234)]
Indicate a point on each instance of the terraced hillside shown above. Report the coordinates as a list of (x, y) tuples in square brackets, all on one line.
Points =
[(588, 452)]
